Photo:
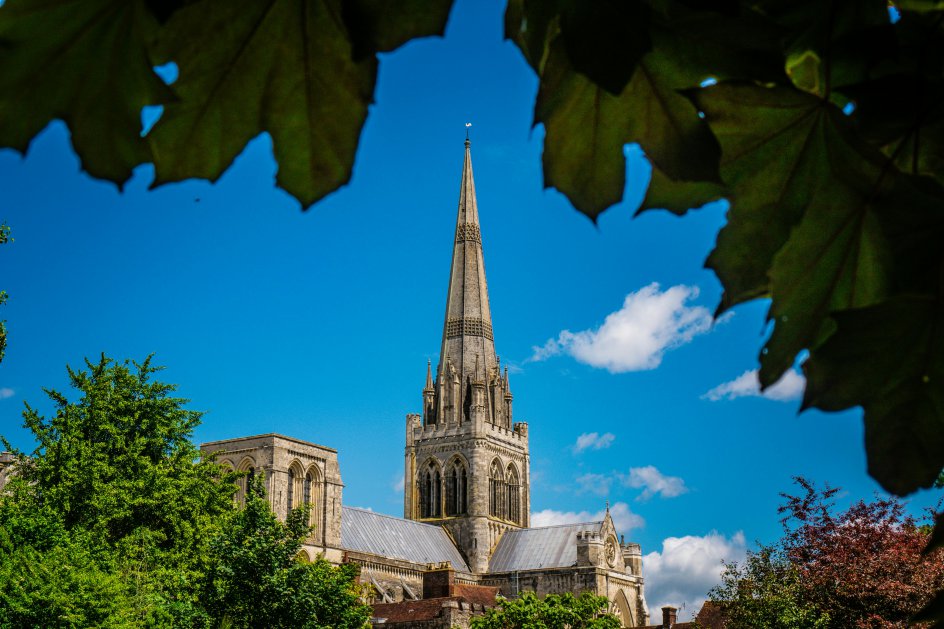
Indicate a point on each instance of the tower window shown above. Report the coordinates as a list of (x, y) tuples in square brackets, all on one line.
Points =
[(456, 496), (430, 491)]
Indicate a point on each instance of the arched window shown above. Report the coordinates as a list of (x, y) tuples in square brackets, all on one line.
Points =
[(308, 494), (496, 490), (512, 492), (456, 489), (291, 488), (430, 491), (248, 467)]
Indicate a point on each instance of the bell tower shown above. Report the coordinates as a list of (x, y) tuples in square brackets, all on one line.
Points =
[(467, 465)]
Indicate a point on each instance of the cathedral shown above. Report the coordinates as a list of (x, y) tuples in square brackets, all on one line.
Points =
[(465, 534)]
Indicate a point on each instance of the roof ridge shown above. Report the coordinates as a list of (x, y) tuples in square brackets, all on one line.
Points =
[(387, 515), (556, 526)]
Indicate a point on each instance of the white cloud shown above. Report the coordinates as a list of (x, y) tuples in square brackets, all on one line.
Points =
[(6, 392), (596, 483), (653, 482), (623, 518), (635, 337), (398, 484), (789, 387), (593, 441), (686, 569)]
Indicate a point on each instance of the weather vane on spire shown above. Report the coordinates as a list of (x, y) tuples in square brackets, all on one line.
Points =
[(467, 126)]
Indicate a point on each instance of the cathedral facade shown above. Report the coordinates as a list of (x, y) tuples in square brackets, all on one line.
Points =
[(467, 485)]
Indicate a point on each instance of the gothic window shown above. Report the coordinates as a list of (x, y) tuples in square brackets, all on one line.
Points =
[(456, 489), (512, 495), (430, 490), (463, 491), (291, 488), (248, 468), (496, 490), (312, 489)]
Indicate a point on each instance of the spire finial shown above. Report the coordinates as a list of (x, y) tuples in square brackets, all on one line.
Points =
[(468, 142), (607, 506)]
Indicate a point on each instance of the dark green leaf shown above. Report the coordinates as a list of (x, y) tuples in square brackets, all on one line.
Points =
[(773, 158), (532, 25), (889, 359), (836, 258), (678, 196), (85, 62), (920, 5), (932, 612), (937, 535), (587, 128), (383, 25), (278, 66), (605, 39)]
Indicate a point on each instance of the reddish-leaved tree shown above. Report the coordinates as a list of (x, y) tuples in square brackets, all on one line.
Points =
[(864, 566)]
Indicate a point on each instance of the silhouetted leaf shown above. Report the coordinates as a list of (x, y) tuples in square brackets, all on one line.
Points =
[(531, 25), (605, 39), (773, 159), (836, 258), (277, 66), (932, 612), (888, 358), (383, 25), (587, 128), (678, 196), (937, 535), (85, 62)]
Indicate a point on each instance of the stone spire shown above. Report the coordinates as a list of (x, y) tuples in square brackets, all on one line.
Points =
[(467, 332)]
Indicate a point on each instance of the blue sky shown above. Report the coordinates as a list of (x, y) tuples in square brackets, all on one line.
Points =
[(318, 325)]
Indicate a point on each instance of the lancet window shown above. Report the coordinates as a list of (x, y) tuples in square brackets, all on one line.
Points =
[(456, 489), (512, 495), (247, 466), (430, 485), (496, 490)]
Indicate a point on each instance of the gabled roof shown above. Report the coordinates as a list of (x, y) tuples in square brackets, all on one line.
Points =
[(384, 535), (545, 547)]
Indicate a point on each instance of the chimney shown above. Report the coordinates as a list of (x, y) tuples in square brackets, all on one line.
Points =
[(669, 615), (439, 581)]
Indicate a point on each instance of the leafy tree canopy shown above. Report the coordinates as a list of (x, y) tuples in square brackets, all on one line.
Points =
[(255, 578), (864, 567), (564, 611), (114, 520)]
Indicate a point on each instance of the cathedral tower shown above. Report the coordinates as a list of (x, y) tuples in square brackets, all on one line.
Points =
[(467, 465)]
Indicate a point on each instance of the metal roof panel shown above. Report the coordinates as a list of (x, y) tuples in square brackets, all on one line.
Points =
[(545, 547), (384, 535)]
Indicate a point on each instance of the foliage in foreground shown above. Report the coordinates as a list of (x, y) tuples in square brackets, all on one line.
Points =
[(113, 521), (824, 128), (4, 238), (862, 568), (821, 123), (242, 586), (565, 611)]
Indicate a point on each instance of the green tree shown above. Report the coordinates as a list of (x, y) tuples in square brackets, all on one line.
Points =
[(114, 483), (114, 520), (765, 591), (565, 611), (256, 579)]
